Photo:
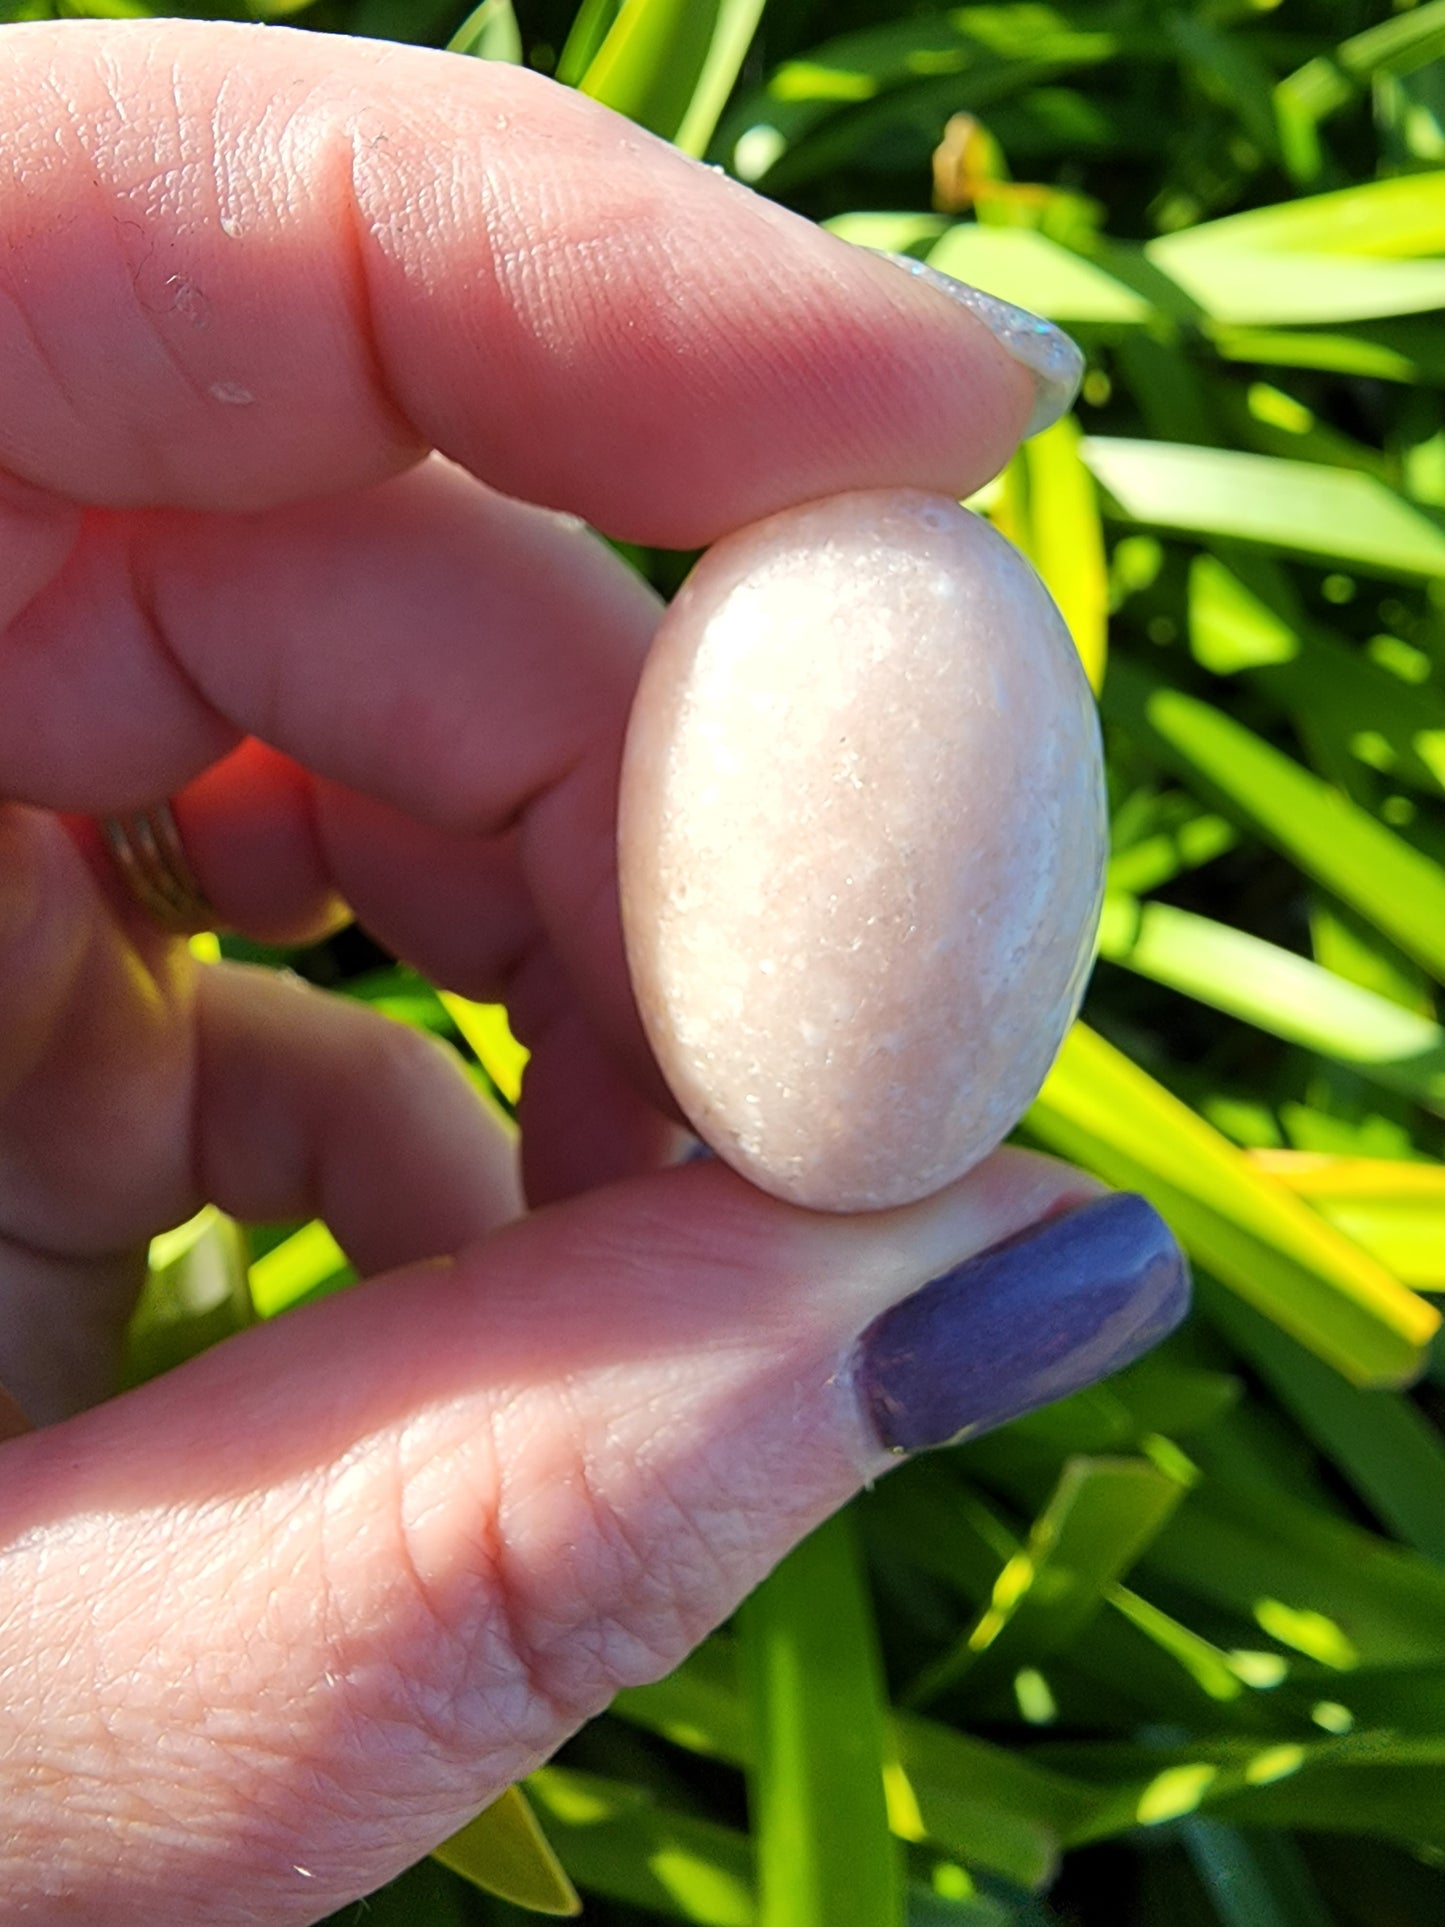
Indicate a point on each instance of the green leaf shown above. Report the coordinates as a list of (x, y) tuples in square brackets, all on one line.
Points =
[(419, 21), (1394, 886), (195, 1294), (1393, 1456), (907, 233), (304, 1265), (1280, 992), (736, 26), (1327, 82), (651, 63), (1395, 1210), (1106, 1113), (1226, 66), (1407, 350), (1099, 1517), (978, 1801), (1163, 837), (1368, 711), (616, 1841), (1339, 514), (988, 1806), (1264, 287), (584, 39), (425, 1894), (486, 1030), (1400, 217), (505, 1852), (1364, 1783), (489, 32), (826, 1857), (1055, 521), (1027, 268), (1342, 1596), (829, 104)]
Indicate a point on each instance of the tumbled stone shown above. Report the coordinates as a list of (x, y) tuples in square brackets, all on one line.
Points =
[(862, 840)]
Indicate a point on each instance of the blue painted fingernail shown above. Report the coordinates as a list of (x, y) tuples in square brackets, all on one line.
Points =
[(1028, 1321)]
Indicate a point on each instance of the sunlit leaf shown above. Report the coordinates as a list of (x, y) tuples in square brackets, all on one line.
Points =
[(826, 1857), (1108, 1114), (1298, 506), (505, 1852), (1099, 1518), (1279, 991), (1027, 268), (486, 1029), (302, 1265), (616, 1841), (1062, 536), (489, 32), (652, 60), (196, 1293), (1377, 1440), (1345, 849), (1395, 1210)]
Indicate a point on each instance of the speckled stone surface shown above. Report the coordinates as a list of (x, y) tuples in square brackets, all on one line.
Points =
[(862, 840)]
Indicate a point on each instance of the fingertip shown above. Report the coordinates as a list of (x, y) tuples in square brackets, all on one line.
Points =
[(1056, 1306)]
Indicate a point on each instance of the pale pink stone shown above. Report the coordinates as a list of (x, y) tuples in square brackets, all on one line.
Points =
[(862, 842)]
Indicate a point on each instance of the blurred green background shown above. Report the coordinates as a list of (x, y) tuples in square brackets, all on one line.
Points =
[(1175, 1649)]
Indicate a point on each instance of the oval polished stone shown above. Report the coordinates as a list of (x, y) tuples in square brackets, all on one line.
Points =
[(861, 844)]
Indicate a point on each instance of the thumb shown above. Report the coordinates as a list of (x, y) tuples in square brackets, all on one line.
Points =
[(292, 1614)]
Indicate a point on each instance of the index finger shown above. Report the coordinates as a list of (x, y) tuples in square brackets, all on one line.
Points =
[(241, 266)]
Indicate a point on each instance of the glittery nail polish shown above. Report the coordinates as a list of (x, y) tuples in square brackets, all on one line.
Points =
[(1053, 358)]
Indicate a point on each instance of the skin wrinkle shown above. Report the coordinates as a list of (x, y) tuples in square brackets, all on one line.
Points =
[(512, 1616), (163, 191), (145, 598), (408, 438)]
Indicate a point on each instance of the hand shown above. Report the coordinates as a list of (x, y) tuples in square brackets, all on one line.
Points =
[(291, 329)]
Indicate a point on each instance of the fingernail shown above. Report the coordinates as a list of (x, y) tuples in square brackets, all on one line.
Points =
[(1053, 358), (1030, 1320)]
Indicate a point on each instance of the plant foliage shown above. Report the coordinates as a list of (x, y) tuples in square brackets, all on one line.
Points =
[(1174, 1649)]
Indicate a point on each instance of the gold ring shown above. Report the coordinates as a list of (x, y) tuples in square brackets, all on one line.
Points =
[(148, 852)]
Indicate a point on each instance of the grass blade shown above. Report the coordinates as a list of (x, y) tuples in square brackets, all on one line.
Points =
[(1264, 288), (1028, 268), (826, 1857), (505, 1852), (1388, 1451), (489, 32), (1326, 1588), (651, 63), (1339, 514), (585, 37), (1394, 886), (975, 1800), (195, 1294), (1098, 1519), (616, 1841), (1103, 1111), (1394, 1209), (1052, 514), (1279, 992), (737, 24), (304, 1265), (486, 1030)]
